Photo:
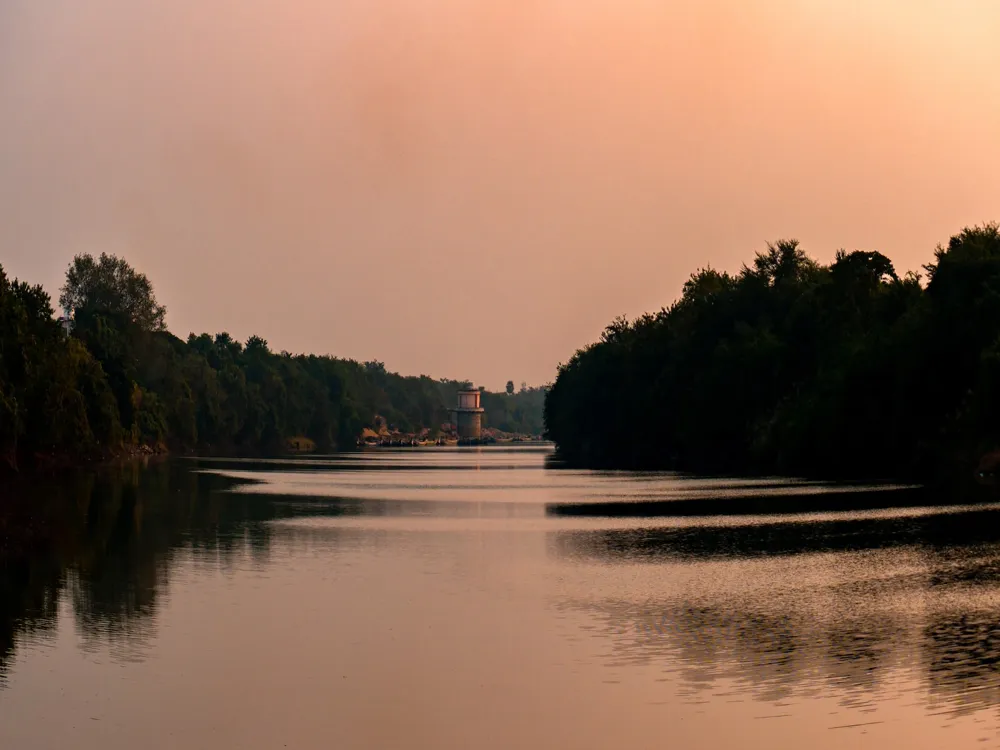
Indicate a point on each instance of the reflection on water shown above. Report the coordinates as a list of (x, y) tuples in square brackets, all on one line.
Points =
[(403, 584), (845, 607), (952, 534), (106, 547), (850, 636)]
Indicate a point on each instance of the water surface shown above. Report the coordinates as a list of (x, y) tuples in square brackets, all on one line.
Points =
[(475, 598)]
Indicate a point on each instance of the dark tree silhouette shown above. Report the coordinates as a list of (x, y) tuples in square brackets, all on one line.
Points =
[(121, 379), (792, 366), (109, 284)]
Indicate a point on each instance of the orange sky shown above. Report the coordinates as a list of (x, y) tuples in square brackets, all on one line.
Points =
[(389, 178)]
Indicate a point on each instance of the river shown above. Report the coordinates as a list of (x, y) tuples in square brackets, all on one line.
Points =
[(481, 598)]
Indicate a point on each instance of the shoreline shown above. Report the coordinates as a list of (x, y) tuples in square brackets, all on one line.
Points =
[(49, 464)]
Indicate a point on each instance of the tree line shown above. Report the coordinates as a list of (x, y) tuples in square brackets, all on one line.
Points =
[(120, 379), (792, 366)]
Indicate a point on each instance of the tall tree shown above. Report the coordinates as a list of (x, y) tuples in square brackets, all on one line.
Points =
[(110, 284)]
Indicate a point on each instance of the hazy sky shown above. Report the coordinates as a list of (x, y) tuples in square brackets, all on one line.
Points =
[(473, 189)]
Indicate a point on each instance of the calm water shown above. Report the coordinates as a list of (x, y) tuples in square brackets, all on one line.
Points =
[(477, 599)]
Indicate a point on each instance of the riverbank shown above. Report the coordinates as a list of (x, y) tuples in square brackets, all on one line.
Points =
[(40, 463), (109, 372)]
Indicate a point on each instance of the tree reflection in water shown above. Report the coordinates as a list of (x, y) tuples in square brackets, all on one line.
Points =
[(861, 609), (104, 541)]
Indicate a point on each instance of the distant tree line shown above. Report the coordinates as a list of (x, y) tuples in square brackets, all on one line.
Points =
[(121, 379), (792, 366), (521, 412)]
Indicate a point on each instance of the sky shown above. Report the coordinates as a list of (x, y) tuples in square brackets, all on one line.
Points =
[(474, 190)]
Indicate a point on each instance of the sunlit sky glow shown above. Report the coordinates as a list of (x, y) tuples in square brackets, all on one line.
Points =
[(472, 189)]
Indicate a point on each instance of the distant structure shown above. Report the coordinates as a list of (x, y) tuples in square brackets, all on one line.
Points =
[(469, 415), (66, 322)]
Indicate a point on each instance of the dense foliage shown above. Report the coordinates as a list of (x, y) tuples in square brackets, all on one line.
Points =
[(121, 379), (793, 366)]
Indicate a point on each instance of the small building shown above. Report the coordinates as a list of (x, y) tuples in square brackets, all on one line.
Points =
[(469, 414)]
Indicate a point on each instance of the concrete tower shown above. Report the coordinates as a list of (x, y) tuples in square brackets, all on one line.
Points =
[(469, 415)]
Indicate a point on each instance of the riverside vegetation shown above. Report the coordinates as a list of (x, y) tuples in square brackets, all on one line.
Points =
[(121, 381), (793, 366)]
